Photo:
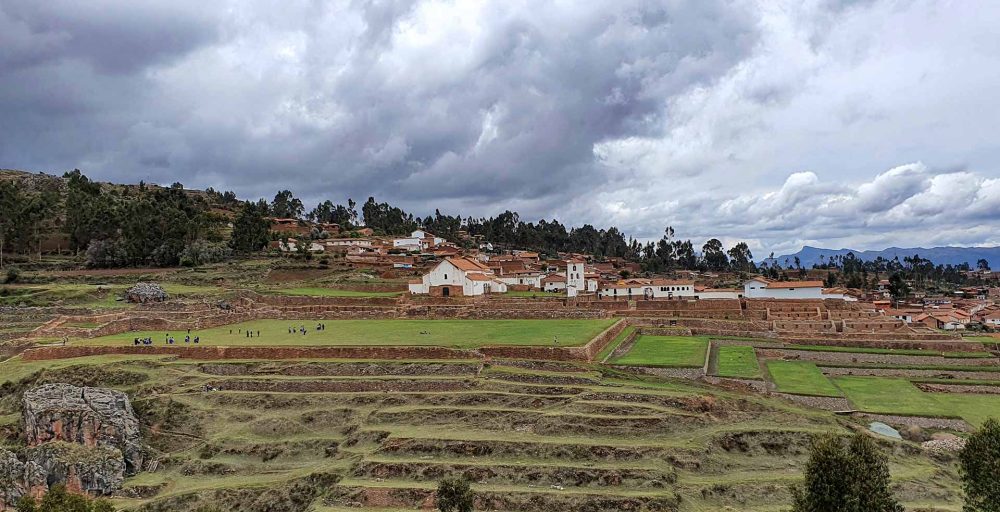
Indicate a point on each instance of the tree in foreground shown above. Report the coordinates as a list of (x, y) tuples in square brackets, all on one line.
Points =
[(839, 478), (980, 469), (454, 495)]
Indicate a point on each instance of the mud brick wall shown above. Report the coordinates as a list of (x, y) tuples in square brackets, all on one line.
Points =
[(935, 346), (873, 325), (804, 325), (214, 353), (683, 304)]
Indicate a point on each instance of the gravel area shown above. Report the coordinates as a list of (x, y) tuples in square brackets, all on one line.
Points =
[(856, 357), (918, 421), (821, 402), (959, 388), (892, 372), (948, 444)]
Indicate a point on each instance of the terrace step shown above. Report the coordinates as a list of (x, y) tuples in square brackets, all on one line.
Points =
[(502, 497)]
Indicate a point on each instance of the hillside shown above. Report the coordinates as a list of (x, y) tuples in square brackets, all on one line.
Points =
[(939, 255)]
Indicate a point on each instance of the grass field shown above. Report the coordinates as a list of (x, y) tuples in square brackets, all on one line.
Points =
[(889, 351), (738, 362), (899, 396), (801, 378), (331, 292), (666, 351), (451, 333)]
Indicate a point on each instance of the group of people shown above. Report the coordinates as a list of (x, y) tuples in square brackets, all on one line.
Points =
[(167, 338), (302, 329)]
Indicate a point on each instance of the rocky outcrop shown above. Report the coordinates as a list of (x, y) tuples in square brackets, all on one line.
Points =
[(92, 417), (145, 292), (18, 479), (98, 471)]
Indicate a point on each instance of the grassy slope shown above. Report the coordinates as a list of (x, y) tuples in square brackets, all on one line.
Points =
[(240, 425), (666, 351), (801, 378), (738, 362), (452, 333)]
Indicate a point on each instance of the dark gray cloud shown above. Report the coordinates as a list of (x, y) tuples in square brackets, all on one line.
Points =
[(638, 113)]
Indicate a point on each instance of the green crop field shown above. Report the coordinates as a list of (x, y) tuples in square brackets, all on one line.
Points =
[(450, 333), (738, 362), (899, 396), (889, 351), (801, 378), (666, 351)]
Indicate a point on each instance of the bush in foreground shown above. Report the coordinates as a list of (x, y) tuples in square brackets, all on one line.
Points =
[(454, 495), (854, 478), (58, 499), (980, 469)]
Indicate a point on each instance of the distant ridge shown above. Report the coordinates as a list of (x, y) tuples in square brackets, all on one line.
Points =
[(809, 256)]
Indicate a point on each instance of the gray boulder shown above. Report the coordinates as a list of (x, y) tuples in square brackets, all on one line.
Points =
[(145, 292), (92, 417), (98, 471), (19, 478)]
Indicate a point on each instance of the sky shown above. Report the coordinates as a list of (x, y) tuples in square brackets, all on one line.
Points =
[(861, 124)]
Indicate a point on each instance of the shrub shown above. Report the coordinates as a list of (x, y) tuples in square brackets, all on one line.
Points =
[(107, 254), (202, 253), (13, 274), (454, 495)]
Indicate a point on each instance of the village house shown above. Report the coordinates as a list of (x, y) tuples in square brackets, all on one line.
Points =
[(992, 319), (948, 320), (458, 277), (292, 245), (418, 240), (701, 292), (293, 226), (525, 277), (648, 289), (760, 288), (554, 283)]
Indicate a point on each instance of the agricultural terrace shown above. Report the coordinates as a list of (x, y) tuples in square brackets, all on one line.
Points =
[(666, 351), (328, 435), (448, 333)]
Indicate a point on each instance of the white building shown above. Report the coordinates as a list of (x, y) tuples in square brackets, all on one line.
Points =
[(838, 293), (648, 289), (532, 278), (554, 283), (575, 280), (418, 240), (760, 288), (718, 293), (455, 277)]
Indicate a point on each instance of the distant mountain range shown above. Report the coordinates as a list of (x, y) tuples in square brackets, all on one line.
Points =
[(939, 255)]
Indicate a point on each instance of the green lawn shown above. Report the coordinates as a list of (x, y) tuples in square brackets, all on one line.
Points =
[(666, 351), (332, 292), (738, 362), (451, 333), (801, 378), (899, 396)]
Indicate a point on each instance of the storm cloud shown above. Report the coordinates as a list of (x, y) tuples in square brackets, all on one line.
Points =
[(862, 124)]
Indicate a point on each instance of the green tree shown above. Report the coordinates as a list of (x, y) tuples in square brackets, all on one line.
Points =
[(898, 288), (714, 255), (854, 478), (741, 258), (251, 229), (455, 495), (979, 465), (982, 264), (286, 206)]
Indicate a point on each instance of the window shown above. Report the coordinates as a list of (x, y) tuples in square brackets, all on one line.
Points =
[(446, 276)]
